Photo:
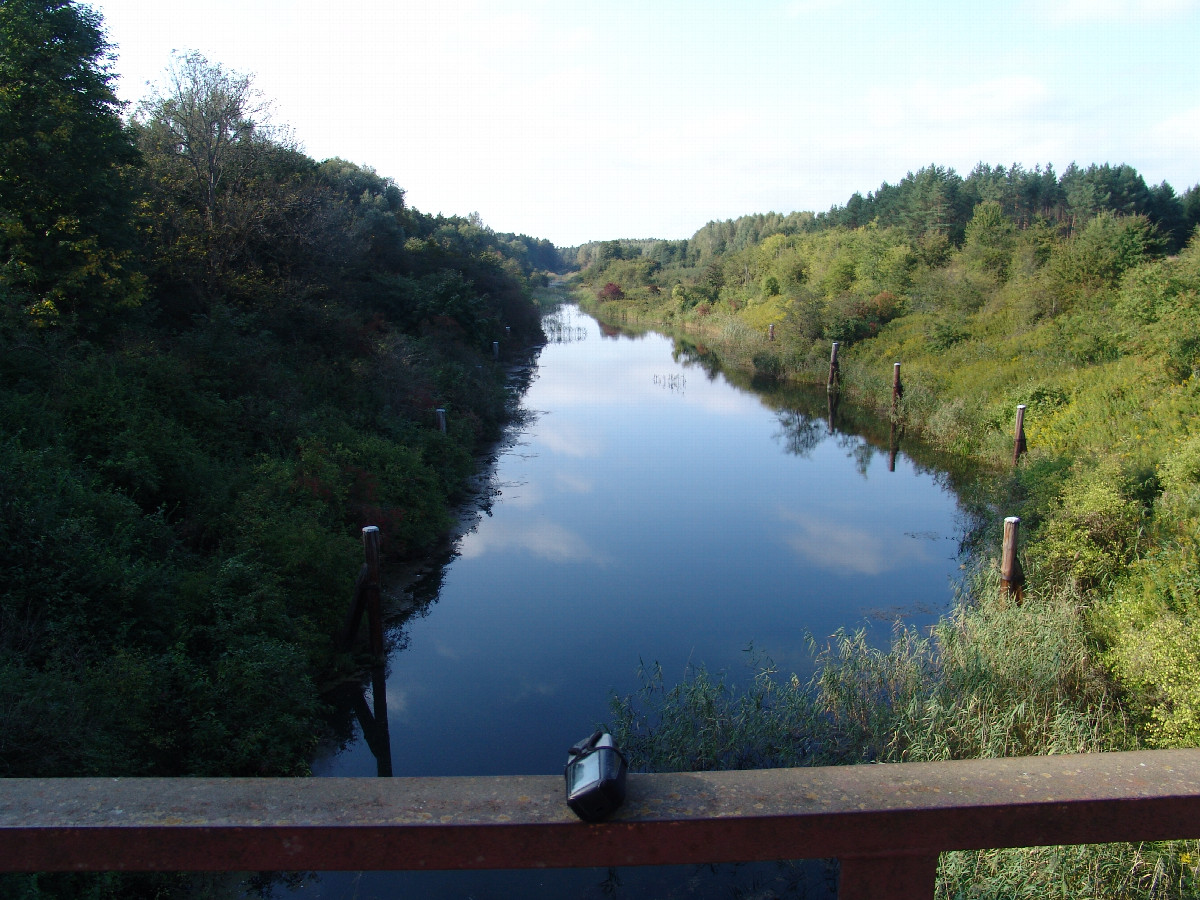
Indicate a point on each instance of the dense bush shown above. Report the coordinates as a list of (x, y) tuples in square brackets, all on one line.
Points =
[(213, 380)]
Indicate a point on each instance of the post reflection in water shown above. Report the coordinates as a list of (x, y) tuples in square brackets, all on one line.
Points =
[(374, 724)]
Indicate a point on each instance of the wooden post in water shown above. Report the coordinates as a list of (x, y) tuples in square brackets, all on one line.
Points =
[(833, 369), (1019, 445), (495, 349), (508, 331), (1012, 578), (441, 419), (897, 390), (374, 607)]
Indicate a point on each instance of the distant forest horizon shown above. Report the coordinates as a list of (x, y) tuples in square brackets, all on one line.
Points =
[(937, 196)]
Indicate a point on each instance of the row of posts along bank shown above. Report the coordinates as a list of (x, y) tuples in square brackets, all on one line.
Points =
[(367, 591), (1012, 576)]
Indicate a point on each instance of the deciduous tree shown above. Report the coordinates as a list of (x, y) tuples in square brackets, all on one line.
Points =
[(66, 234)]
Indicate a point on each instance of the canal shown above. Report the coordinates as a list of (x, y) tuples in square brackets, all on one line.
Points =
[(645, 510)]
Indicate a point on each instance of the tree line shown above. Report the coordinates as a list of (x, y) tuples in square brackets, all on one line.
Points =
[(936, 204)]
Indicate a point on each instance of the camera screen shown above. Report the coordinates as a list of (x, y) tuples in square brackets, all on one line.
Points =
[(584, 772)]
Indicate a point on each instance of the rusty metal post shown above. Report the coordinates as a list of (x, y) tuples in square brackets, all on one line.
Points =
[(834, 374), (905, 877), (1012, 578), (370, 536), (1019, 445)]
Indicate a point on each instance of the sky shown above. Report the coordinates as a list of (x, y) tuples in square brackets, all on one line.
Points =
[(583, 121)]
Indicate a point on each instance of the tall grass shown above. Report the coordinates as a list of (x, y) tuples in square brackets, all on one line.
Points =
[(990, 680)]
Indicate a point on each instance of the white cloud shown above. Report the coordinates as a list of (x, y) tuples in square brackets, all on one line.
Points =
[(574, 484), (569, 440), (924, 104), (545, 540), (1178, 132), (844, 548), (521, 495), (397, 700), (446, 651)]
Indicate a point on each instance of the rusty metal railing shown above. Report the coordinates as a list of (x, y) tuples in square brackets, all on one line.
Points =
[(885, 823)]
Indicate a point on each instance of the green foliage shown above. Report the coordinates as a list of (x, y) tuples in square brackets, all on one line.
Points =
[(66, 238), (990, 238), (993, 680), (852, 318), (1007, 287), (1146, 621), (768, 365), (1091, 531), (1107, 248), (182, 487)]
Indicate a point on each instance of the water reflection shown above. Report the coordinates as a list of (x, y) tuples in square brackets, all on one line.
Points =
[(645, 514), (674, 382), (543, 540), (560, 329), (374, 721), (687, 353), (801, 434)]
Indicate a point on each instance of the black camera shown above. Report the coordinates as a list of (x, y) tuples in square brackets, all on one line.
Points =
[(595, 776)]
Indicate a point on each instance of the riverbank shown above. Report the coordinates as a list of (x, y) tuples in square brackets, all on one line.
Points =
[(401, 580), (1108, 494)]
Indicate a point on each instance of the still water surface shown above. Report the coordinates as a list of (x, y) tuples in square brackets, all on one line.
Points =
[(647, 510)]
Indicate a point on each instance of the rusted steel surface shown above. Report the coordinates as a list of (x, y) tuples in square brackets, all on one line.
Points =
[(905, 877), (860, 813)]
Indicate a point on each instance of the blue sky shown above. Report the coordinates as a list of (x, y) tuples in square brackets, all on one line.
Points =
[(578, 121)]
